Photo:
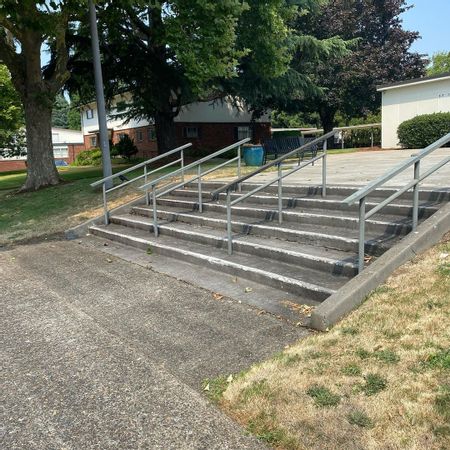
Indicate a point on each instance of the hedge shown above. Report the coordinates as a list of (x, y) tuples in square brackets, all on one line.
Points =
[(422, 131), (91, 157)]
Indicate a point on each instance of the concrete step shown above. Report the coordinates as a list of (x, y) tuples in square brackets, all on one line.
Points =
[(319, 258), (316, 235), (311, 285), (315, 203), (434, 195), (381, 224)]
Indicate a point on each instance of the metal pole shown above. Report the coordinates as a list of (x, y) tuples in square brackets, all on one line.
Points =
[(101, 110), (230, 243), (182, 166), (147, 195), (155, 212), (371, 137), (362, 223), (415, 215), (324, 170), (199, 174), (280, 195), (239, 168), (105, 205)]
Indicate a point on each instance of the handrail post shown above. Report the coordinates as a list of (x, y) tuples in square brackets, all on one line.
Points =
[(415, 214), (324, 170), (280, 195), (147, 195), (105, 205), (239, 168), (155, 212), (230, 242), (182, 165), (200, 195), (362, 224)]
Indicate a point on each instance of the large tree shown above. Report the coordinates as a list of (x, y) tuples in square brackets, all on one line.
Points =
[(380, 53), (26, 27), (166, 53)]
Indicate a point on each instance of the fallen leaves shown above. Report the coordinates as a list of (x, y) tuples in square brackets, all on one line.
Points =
[(217, 296), (305, 310), (248, 289)]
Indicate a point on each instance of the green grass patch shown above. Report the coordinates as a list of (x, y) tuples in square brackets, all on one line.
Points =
[(257, 389), (264, 428), (322, 396), (439, 360), (352, 370), (350, 331), (215, 387), (360, 418), (362, 353), (386, 356), (374, 384)]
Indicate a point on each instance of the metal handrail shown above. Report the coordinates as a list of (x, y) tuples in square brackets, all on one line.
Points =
[(277, 162), (303, 148), (145, 175), (154, 183), (361, 195)]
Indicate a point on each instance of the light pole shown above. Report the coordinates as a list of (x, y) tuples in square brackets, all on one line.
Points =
[(101, 111)]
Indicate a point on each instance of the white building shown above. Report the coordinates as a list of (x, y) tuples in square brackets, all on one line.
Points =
[(407, 99)]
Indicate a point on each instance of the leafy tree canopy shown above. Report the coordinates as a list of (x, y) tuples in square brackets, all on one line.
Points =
[(11, 116), (440, 63)]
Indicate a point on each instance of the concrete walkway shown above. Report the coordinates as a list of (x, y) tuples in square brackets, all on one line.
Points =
[(359, 168), (101, 353)]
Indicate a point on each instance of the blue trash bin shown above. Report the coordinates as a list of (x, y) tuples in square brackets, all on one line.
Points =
[(253, 156)]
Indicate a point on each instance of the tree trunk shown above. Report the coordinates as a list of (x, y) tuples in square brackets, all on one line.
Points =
[(41, 169), (327, 120), (165, 132)]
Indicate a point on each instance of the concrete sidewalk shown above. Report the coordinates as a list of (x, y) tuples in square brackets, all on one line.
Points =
[(101, 353), (359, 168)]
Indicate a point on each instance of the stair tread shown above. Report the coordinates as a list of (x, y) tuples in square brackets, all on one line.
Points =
[(268, 242), (338, 232), (328, 200), (292, 273)]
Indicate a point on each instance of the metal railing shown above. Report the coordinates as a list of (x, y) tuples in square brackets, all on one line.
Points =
[(236, 184), (361, 195), (155, 193), (145, 175)]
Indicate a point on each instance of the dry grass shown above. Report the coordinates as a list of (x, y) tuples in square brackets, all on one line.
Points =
[(378, 380)]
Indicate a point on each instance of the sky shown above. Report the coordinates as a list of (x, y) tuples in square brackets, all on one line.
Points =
[(431, 18)]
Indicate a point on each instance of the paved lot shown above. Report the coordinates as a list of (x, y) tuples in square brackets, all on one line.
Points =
[(354, 169), (100, 353)]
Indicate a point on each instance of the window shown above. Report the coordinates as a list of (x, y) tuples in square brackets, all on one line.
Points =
[(121, 136), (93, 141), (60, 152), (89, 114), (243, 133), (191, 132), (151, 134), (139, 136)]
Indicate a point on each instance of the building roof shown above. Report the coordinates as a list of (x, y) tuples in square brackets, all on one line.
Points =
[(414, 81)]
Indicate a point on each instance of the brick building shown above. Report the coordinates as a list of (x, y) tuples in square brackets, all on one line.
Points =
[(66, 146), (208, 125)]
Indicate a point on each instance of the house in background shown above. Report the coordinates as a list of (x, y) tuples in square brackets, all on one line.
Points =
[(208, 125), (66, 146), (405, 100)]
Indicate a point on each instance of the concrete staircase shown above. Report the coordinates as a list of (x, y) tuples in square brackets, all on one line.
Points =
[(310, 255)]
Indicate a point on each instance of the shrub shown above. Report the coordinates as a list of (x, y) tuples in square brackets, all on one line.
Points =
[(422, 131), (92, 157), (125, 147)]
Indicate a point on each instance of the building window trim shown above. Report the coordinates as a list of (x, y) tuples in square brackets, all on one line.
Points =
[(191, 132), (89, 113)]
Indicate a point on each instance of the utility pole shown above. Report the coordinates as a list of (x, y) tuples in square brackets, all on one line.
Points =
[(101, 111)]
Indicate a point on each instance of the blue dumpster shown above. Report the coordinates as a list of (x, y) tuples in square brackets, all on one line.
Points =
[(253, 156)]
